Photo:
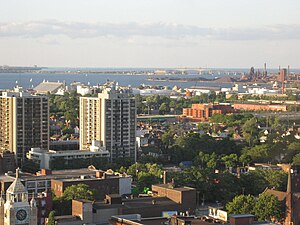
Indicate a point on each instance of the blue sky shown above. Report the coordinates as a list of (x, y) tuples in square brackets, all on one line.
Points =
[(150, 33)]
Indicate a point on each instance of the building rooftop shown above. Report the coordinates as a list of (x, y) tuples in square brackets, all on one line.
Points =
[(147, 202), (161, 220), (241, 215), (66, 218), (168, 186), (45, 87), (55, 174)]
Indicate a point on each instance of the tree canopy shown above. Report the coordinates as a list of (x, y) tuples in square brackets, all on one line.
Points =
[(266, 207)]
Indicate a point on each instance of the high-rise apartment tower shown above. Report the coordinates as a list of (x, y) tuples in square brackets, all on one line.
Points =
[(24, 123), (109, 119)]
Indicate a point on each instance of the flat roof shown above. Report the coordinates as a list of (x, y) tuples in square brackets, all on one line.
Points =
[(56, 174), (167, 186), (146, 202), (85, 179), (241, 215), (161, 220)]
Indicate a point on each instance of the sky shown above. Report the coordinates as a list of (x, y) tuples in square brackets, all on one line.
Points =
[(150, 33)]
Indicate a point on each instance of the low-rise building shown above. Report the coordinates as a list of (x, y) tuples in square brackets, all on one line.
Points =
[(44, 158), (103, 182), (203, 112), (199, 90), (38, 183), (181, 200), (260, 107), (49, 87)]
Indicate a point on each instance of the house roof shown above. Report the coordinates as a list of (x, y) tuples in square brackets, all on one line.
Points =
[(280, 195)]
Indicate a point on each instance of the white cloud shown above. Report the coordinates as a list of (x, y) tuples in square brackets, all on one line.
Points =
[(42, 29)]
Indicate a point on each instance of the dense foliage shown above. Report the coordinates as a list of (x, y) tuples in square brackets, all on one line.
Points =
[(63, 205), (266, 207)]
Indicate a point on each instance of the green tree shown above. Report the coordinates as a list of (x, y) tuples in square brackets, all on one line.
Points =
[(79, 191), (267, 208), (167, 139), (146, 180), (245, 159), (51, 220), (296, 159), (253, 183), (206, 160), (292, 150), (241, 204), (250, 131), (230, 161), (164, 108), (259, 153), (275, 179), (61, 206)]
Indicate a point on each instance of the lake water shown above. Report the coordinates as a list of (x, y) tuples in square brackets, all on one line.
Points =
[(26, 80)]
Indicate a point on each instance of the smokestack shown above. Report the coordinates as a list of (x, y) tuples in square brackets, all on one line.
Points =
[(288, 73), (265, 71), (282, 78)]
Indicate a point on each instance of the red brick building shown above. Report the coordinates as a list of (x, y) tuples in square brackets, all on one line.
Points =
[(44, 206), (203, 112), (102, 182)]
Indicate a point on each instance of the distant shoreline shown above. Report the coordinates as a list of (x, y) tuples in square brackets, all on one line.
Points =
[(206, 81)]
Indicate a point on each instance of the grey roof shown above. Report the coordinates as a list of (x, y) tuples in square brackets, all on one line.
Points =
[(48, 87), (17, 187)]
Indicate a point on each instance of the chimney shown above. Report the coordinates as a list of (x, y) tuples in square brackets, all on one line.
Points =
[(165, 177), (104, 175), (99, 174), (238, 172), (44, 172)]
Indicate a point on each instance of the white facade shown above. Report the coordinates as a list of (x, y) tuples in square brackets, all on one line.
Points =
[(141, 141), (261, 91), (44, 158), (83, 90), (110, 119)]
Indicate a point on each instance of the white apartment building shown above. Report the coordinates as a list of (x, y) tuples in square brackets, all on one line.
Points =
[(111, 119)]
